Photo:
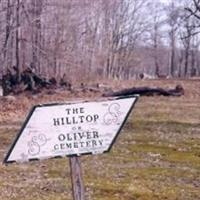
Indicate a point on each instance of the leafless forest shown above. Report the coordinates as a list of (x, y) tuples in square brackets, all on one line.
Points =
[(115, 39), (55, 51)]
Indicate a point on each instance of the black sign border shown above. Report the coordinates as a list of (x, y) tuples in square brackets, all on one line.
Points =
[(5, 161)]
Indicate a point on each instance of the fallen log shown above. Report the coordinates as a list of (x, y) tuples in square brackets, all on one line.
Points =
[(147, 91)]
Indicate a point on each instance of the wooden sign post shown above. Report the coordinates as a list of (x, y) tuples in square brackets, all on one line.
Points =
[(77, 179), (71, 129)]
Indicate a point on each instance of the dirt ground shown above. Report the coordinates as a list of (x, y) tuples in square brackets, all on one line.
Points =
[(156, 156)]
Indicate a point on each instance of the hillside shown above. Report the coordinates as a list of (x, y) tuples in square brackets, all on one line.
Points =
[(156, 157)]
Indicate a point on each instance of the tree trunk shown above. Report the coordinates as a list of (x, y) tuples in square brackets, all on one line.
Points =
[(17, 39), (8, 17), (186, 61), (36, 33), (172, 59)]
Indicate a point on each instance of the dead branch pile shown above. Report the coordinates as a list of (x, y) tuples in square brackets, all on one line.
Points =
[(28, 80)]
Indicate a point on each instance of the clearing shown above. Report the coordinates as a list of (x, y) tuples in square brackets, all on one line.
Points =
[(156, 157)]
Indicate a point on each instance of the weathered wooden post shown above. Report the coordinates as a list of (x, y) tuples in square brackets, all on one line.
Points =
[(77, 179), (72, 129)]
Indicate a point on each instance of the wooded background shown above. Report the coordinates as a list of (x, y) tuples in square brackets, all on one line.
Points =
[(86, 39)]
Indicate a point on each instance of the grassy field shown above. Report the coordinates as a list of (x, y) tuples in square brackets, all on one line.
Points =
[(156, 156)]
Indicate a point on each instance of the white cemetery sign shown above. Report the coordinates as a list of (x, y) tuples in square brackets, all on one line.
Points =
[(57, 130)]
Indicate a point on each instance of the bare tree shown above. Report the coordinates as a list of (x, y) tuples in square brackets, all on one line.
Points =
[(83, 39), (190, 38), (194, 9), (173, 16)]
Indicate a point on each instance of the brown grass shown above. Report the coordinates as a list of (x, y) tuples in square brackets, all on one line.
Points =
[(156, 157)]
